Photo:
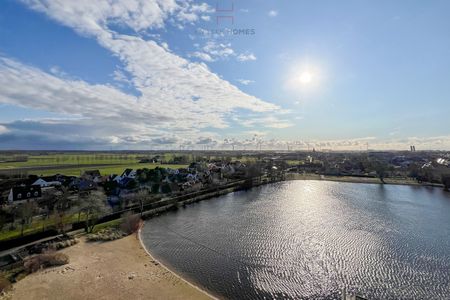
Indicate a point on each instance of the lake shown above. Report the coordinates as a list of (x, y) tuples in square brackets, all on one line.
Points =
[(310, 239)]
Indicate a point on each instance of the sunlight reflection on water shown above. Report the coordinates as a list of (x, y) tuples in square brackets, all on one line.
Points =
[(309, 239)]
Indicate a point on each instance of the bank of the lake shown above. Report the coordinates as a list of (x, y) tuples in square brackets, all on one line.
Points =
[(360, 179), (119, 269), (310, 239)]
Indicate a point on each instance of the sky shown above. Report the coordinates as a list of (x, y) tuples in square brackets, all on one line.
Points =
[(169, 74)]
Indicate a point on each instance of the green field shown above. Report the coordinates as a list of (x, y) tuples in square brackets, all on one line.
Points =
[(75, 164), (71, 159)]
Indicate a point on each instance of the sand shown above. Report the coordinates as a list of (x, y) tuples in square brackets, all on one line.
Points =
[(120, 269)]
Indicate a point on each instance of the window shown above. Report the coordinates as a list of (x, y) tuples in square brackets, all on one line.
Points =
[(19, 196), (28, 195), (36, 194)]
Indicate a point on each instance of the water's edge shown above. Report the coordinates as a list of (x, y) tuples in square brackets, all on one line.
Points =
[(171, 271)]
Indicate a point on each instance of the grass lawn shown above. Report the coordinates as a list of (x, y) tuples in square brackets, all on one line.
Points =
[(75, 163), (37, 226), (72, 159), (104, 170)]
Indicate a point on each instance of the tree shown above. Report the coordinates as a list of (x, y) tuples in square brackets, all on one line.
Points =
[(47, 203), (381, 169), (166, 189), (254, 170), (3, 219), (446, 181), (155, 188), (93, 206), (140, 197), (61, 206), (130, 223), (26, 211)]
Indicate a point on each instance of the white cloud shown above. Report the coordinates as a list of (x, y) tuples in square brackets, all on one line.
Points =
[(245, 81), (246, 57), (203, 56), (3, 129), (167, 83), (269, 121), (218, 50), (165, 46), (273, 13), (120, 76)]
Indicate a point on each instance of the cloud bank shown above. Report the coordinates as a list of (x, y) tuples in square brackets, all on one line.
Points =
[(176, 98)]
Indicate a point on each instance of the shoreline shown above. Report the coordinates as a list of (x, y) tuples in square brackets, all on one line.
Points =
[(118, 269), (171, 271), (356, 179)]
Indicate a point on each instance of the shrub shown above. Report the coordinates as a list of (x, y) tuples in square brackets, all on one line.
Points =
[(5, 284), (45, 260), (130, 223), (62, 244), (104, 235)]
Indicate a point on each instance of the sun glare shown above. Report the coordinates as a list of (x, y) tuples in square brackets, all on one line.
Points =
[(305, 77)]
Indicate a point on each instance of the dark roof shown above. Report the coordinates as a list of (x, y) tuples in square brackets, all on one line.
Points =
[(127, 172), (93, 173), (26, 192)]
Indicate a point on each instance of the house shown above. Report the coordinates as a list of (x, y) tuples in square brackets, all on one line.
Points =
[(80, 184), (22, 193), (91, 174), (114, 177), (191, 177), (191, 186), (42, 182), (87, 185), (129, 173), (127, 183), (172, 171)]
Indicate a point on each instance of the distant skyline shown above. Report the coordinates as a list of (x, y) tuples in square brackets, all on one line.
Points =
[(160, 74)]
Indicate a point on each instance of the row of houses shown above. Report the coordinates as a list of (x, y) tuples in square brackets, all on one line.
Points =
[(116, 186)]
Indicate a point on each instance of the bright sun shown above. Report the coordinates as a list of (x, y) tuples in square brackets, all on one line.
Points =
[(305, 78)]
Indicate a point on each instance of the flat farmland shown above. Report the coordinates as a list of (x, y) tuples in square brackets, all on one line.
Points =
[(74, 163)]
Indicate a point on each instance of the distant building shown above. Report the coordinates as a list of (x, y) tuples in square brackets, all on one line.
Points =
[(42, 182), (129, 173), (91, 174), (19, 194)]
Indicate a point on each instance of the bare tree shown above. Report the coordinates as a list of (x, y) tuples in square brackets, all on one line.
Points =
[(140, 198), (61, 207), (93, 206), (26, 211)]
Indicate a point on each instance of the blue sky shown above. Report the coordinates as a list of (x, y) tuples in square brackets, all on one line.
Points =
[(160, 74)]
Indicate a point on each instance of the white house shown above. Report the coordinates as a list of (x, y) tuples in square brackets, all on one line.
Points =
[(129, 173), (42, 183)]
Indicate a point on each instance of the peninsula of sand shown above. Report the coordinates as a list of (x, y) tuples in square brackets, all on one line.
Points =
[(119, 269)]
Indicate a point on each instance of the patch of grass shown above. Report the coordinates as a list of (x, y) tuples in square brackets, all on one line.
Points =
[(37, 226), (114, 223), (72, 159), (104, 170)]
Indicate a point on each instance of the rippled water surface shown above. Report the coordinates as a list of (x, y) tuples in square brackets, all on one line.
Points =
[(309, 239)]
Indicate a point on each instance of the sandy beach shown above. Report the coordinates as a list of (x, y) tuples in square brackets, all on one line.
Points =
[(120, 269)]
